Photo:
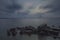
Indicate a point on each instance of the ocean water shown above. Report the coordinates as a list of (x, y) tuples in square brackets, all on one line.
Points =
[(10, 23)]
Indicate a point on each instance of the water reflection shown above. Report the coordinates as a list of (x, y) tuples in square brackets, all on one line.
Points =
[(32, 37), (45, 38)]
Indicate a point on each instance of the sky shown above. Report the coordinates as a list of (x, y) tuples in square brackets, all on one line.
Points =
[(29, 8)]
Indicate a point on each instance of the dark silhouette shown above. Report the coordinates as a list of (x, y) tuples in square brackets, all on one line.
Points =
[(12, 29), (54, 37), (14, 33), (53, 25), (8, 33), (18, 28), (21, 33), (29, 33), (59, 26), (43, 30)]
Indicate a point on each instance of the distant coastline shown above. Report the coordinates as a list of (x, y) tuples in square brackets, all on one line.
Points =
[(30, 18)]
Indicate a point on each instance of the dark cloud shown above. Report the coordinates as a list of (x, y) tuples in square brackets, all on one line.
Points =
[(54, 7), (14, 7), (8, 9)]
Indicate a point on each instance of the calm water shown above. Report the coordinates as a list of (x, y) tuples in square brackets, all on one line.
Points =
[(9, 23)]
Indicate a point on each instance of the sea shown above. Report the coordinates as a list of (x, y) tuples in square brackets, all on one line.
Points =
[(17, 22)]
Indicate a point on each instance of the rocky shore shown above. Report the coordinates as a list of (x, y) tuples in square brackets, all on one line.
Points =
[(43, 30)]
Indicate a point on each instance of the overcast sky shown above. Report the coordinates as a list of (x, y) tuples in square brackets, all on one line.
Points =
[(29, 8)]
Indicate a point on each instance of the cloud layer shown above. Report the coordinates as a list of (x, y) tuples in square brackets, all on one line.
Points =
[(29, 8)]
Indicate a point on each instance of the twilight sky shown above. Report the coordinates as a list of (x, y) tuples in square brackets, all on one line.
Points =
[(30, 8)]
